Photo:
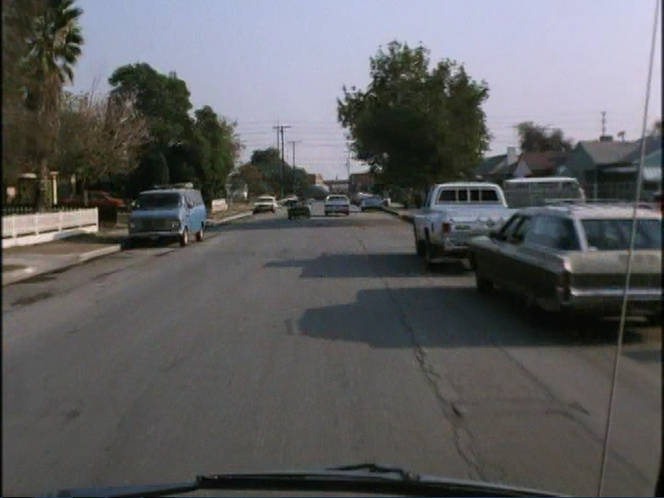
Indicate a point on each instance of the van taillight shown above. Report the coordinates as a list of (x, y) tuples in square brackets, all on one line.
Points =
[(446, 227)]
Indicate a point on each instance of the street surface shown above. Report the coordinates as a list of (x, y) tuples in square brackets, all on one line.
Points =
[(279, 344)]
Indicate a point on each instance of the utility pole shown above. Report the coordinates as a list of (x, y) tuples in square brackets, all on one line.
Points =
[(280, 130), (603, 123), (293, 142)]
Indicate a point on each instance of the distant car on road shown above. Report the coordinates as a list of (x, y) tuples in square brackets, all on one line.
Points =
[(168, 213), (337, 203), (373, 202), (574, 257), (299, 209), (265, 203)]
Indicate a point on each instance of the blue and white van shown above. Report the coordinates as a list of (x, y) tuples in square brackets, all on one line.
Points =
[(168, 213)]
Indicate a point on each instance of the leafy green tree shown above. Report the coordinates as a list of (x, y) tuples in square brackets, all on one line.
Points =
[(414, 125), (217, 147), (268, 163), (536, 138), (45, 38), (251, 175), (17, 120), (201, 150)]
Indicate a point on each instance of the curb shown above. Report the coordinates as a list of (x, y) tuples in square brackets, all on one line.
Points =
[(228, 219), (407, 217), (102, 251), (30, 272)]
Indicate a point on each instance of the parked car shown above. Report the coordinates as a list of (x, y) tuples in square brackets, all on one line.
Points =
[(337, 203), (453, 213), (265, 203), (299, 209), (373, 202), (168, 213), (574, 257)]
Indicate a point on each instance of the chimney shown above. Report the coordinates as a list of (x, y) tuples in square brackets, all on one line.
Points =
[(511, 155), (606, 138)]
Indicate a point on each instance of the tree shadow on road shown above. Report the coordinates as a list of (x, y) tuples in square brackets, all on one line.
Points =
[(360, 265), (270, 222), (451, 318)]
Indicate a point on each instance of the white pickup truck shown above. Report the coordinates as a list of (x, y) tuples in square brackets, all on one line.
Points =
[(452, 214)]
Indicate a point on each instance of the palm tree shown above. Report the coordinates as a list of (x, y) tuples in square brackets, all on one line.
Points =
[(54, 45)]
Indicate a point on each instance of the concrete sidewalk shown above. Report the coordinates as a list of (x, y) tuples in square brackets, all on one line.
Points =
[(219, 219), (24, 262), (21, 263)]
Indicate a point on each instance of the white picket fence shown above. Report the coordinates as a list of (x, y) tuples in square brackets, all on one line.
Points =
[(218, 205), (28, 229)]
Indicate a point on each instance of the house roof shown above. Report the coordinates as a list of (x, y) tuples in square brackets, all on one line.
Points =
[(489, 163), (653, 143), (607, 152), (543, 163)]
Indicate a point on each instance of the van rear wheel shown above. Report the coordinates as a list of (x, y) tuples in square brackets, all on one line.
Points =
[(199, 234)]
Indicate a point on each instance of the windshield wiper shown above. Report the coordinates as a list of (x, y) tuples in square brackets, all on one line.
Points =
[(361, 478)]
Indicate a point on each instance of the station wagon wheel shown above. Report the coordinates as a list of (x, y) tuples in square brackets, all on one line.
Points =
[(484, 285), (184, 238), (199, 234)]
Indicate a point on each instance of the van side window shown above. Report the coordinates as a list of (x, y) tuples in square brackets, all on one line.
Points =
[(447, 195), (474, 195), (462, 195), (489, 195)]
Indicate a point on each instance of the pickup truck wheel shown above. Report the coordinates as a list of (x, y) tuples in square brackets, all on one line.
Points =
[(484, 285), (184, 238), (428, 251), (199, 234), (419, 245)]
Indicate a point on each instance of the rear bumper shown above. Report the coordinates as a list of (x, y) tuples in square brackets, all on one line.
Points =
[(337, 209), (610, 300), (258, 209), (451, 249), (155, 234)]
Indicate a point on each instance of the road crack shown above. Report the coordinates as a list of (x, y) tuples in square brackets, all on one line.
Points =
[(453, 413)]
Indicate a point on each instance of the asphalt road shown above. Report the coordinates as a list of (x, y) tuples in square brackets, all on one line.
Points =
[(279, 344)]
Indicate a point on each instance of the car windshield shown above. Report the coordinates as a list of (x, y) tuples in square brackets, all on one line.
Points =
[(157, 201), (614, 234), (248, 236)]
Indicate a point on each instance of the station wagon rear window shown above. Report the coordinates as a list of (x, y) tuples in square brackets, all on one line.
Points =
[(614, 235)]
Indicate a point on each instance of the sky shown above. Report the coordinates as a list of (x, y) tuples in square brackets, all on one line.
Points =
[(559, 63)]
